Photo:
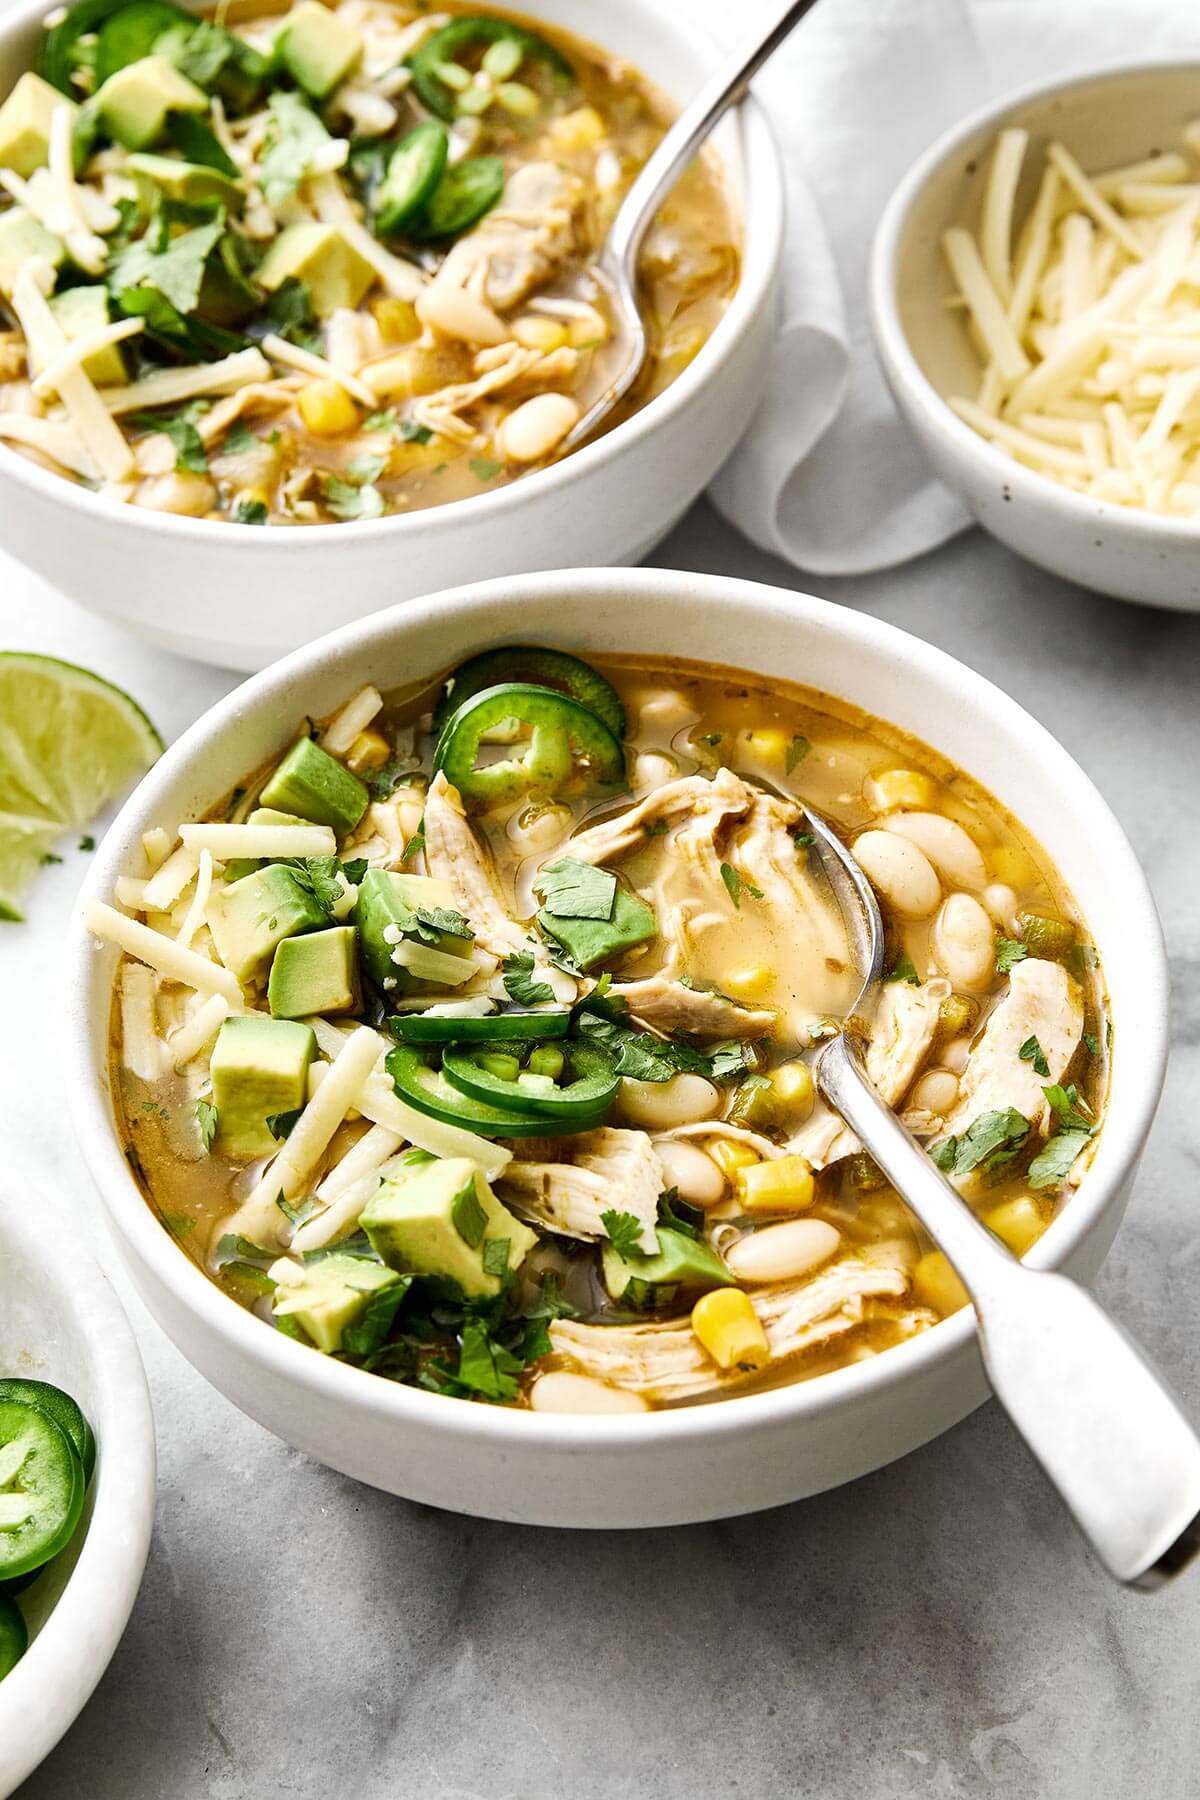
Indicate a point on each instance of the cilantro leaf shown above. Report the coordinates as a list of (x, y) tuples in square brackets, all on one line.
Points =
[(639, 1054), (469, 1218), (624, 1231), (1051, 1166), (295, 1215), (208, 1118), (736, 885), (1070, 1108), (903, 969), (294, 138), (516, 970), (281, 1125), (87, 843), (990, 1143), (346, 500), (1092, 1044), (250, 512), (577, 890), (484, 468), (412, 433), (730, 1060), (176, 271), (364, 469), (368, 1333), (289, 314), (485, 1366), (180, 427), (318, 876), (238, 438), (385, 419), (437, 919), (495, 1256), (416, 842), (1031, 1052), (1009, 952), (677, 1215), (797, 750)]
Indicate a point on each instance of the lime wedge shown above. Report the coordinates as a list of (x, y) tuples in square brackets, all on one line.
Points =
[(69, 742)]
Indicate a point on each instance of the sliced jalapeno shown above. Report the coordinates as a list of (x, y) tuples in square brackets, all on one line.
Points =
[(417, 1081), (41, 1488), (14, 1637), (460, 199), (445, 48), (414, 169), (62, 1409), (568, 749), (128, 35), (579, 1105), (544, 668), (528, 1028), (57, 55)]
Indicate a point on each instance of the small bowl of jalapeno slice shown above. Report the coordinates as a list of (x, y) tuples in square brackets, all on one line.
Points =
[(76, 1483)]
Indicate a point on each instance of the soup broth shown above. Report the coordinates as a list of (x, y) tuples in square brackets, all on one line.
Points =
[(710, 1228)]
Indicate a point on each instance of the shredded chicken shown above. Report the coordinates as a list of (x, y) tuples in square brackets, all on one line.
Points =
[(506, 366), (521, 242), (725, 796), (610, 1170), (1042, 1002), (454, 854), (672, 1006), (665, 1361)]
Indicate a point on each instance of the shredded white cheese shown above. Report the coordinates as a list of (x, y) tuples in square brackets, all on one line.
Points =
[(352, 720), (168, 386), (160, 952), (199, 1030), (317, 366), (197, 912), (170, 879), (55, 439), (100, 436), (79, 349), (142, 1049), (225, 841)]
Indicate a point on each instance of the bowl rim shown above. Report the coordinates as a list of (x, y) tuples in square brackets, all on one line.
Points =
[(1121, 1142), (896, 354), (761, 217), (51, 1685)]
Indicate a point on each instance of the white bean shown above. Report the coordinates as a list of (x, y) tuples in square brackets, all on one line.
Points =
[(457, 314), (1001, 903), (936, 1091), (658, 1105), (540, 832), (955, 1053), (179, 492), (899, 871), (562, 1392), (782, 1252), (952, 851), (695, 1175), (963, 942), (651, 769), (536, 427)]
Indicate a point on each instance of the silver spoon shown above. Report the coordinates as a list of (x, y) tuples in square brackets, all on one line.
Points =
[(616, 265), (1097, 1416)]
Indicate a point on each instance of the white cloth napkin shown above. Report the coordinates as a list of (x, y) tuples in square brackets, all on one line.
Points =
[(827, 475)]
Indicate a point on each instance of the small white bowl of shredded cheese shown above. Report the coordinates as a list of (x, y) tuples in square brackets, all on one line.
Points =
[(1035, 295)]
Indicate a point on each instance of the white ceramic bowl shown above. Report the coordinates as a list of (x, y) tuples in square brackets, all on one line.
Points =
[(240, 597), (61, 1322), (1112, 116), (702, 1462)]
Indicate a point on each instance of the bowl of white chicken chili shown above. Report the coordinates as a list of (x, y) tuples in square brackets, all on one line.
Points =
[(444, 1007), (300, 305)]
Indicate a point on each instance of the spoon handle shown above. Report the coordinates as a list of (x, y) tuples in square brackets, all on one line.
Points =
[(659, 174), (1095, 1413)]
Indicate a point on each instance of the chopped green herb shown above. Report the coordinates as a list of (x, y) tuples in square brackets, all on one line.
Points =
[(416, 842), (486, 1367), (368, 1333), (1009, 952), (729, 1061), (903, 969), (656, 828), (435, 920), (736, 885), (366, 468), (639, 1054), (281, 1125), (289, 314), (47, 857), (1070, 1108), (678, 1215), (180, 427), (797, 750), (989, 1143), (1031, 1052), (208, 1118), (484, 468), (577, 890), (495, 1256), (711, 738), (175, 270), (87, 843), (804, 840), (295, 137), (250, 512), (239, 438), (624, 1231), (412, 433), (1091, 1044), (346, 500), (516, 971), (1052, 1165), (470, 1220)]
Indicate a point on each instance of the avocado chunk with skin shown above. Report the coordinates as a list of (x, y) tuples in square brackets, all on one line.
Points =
[(388, 911), (187, 181), (591, 941), (21, 237), (318, 787), (331, 1295), (318, 255), (25, 124), (318, 48), (259, 1068), (78, 312), (251, 917), (684, 1265), (134, 102), (316, 973), (439, 1217)]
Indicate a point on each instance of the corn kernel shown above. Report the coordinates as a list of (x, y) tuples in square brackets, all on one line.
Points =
[(539, 334), (579, 130), (937, 1286), (783, 1185), (370, 750), (396, 319), (900, 787), (753, 982), (1017, 1223), (327, 409), (730, 1330), (409, 371), (767, 746), (793, 1085), (730, 1156)]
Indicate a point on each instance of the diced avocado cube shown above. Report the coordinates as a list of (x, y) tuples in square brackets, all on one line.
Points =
[(251, 917), (317, 973), (319, 256), (684, 1265), (591, 941), (386, 911), (317, 786), (187, 181), (25, 124), (318, 48), (78, 312), (331, 1295), (441, 1218), (259, 1069), (21, 237), (134, 102)]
